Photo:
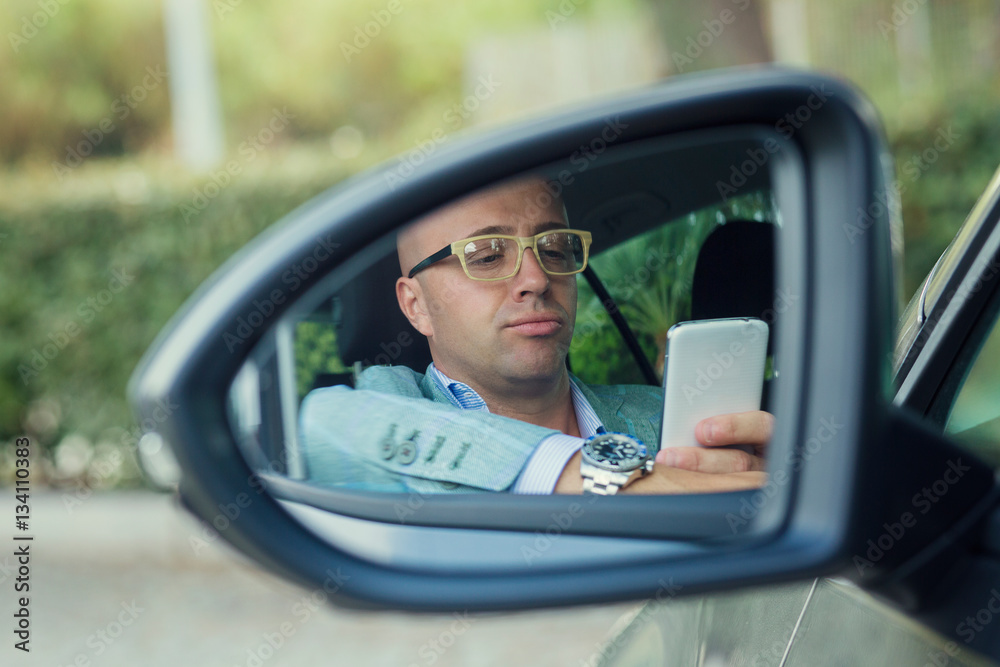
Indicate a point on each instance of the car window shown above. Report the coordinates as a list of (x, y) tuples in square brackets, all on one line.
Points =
[(650, 277), (975, 418), (656, 230)]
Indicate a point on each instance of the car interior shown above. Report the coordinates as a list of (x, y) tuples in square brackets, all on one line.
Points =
[(628, 195)]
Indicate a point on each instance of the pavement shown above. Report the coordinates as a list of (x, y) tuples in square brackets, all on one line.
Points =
[(123, 578)]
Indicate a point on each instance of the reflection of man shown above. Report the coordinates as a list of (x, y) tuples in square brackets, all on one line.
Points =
[(489, 281)]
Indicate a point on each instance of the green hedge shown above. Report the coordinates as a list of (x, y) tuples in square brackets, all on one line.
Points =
[(940, 186), (93, 268), (92, 274)]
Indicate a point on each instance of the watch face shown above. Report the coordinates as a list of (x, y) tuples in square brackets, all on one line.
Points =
[(615, 452)]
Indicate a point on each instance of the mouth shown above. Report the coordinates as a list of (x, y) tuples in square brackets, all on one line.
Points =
[(540, 324)]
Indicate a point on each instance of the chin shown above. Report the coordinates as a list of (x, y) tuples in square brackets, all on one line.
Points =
[(537, 370)]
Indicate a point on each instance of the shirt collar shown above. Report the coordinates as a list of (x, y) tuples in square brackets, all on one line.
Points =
[(465, 397)]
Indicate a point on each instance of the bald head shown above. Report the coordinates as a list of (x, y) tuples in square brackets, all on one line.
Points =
[(505, 205)]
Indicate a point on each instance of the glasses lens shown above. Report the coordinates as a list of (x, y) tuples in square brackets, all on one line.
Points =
[(562, 252), (490, 258)]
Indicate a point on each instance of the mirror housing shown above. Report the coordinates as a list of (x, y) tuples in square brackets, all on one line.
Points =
[(837, 347)]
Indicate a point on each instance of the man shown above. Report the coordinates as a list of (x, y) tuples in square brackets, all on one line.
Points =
[(490, 281)]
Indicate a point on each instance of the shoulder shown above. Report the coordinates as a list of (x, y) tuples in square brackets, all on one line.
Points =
[(399, 380)]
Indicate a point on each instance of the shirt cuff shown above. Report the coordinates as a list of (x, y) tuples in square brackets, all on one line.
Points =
[(542, 471)]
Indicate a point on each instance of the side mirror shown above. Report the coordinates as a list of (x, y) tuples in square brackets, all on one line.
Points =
[(807, 147)]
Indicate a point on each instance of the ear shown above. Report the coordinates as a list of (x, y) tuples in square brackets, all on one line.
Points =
[(411, 300)]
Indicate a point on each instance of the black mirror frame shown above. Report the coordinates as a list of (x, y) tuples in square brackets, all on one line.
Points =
[(842, 340)]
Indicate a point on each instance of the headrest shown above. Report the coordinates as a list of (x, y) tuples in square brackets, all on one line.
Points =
[(734, 274), (370, 326)]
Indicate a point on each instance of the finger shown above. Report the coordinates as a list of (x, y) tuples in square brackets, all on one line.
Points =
[(675, 480), (699, 459), (740, 428)]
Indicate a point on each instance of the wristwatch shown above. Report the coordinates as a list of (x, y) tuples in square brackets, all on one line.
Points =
[(610, 461)]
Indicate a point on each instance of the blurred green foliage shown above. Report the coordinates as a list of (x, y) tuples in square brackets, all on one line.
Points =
[(96, 260), (316, 352), (91, 277), (943, 164), (77, 64), (391, 75)]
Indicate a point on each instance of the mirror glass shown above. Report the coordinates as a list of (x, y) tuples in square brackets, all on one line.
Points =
[(339, 394)]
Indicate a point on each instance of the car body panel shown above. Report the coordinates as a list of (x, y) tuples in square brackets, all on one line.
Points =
[(838, 623), (810, 624)]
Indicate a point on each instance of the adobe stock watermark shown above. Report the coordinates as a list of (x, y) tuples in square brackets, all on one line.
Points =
[(271, 642), (86, 311), (231, 511), (105, 637), (391, 350), (606, 651), (923, 501), (696, 45), (249, 149), (626, 286), (453, 117), (433, 649), (912, 169), (902, 12), (121, 109), (581, 160), (565, 9), (7, 569), (757, 158), (960, 295), (723, 361), (370, 30), (105, 469), (561, 522), (773, 653), (30, 25), (967, 629), (293, 278), (223, 8), (976, 623), (749, 509), (542, 541)]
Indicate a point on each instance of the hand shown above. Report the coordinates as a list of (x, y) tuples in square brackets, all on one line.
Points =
[(705, 470), (665, 479), (742, 428), (700, 469)]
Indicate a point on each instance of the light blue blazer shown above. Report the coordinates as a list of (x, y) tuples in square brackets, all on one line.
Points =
[(398, 432)]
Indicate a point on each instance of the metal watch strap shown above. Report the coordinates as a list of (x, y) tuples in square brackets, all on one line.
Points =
[(603, 482)]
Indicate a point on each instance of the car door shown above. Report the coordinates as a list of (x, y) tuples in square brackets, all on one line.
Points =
[(834, 366), (947, 365)]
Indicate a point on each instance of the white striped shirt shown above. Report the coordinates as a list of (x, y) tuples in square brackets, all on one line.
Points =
[(541, 472)]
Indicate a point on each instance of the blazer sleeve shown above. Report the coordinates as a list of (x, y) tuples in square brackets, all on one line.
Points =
[(386, 436)]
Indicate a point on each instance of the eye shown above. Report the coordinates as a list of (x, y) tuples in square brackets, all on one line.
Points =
[(484, 258), (485, 253), (556, 252)]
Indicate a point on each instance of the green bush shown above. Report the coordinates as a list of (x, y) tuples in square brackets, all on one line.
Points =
[(939, 187), (91, 274)]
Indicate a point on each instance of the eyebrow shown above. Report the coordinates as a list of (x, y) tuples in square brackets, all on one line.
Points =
[(509, 230)]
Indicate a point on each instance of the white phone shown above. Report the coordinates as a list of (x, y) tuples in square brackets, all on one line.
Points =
[(713, 367)]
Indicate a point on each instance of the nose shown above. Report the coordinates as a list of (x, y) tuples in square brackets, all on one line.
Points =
[(530, 279)]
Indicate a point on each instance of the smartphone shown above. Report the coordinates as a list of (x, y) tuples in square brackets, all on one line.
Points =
[(713, 367)]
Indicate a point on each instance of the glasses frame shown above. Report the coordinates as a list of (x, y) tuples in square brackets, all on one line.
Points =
[(523, 242)]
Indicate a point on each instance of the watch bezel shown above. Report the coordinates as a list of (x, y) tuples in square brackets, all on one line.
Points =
[(640, 459)]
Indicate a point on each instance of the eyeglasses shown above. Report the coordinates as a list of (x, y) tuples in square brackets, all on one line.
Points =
[(561, 252)]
